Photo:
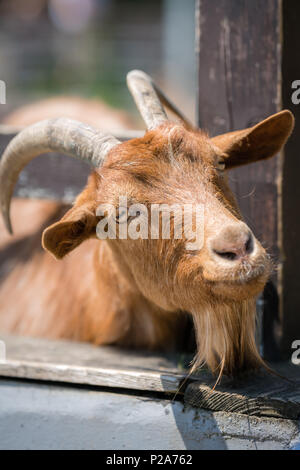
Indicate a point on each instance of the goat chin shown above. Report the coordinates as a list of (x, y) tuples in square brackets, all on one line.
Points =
[(225, 336)]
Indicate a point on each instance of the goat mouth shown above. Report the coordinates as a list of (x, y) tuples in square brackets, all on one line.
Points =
[(241, 286), (242, 281), (248, 275), (243, 276)]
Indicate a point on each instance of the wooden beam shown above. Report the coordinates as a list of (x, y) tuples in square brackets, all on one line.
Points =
[(74, 363), (290, 192), (80, 363), (246, 55), (238, 81), (256, 395)]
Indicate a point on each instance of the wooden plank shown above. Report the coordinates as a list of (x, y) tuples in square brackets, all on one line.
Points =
[(256, 395), (79, 363), (97, 376)]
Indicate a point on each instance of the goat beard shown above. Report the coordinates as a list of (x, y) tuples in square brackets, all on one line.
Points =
[(225, 336)]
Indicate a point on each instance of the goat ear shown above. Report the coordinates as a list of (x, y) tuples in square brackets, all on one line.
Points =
[(264, 140), (77, 225)]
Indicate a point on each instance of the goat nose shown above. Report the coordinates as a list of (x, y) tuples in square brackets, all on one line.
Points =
[(233, 242)]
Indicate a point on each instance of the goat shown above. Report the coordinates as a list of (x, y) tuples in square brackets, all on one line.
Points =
[(139, 292)]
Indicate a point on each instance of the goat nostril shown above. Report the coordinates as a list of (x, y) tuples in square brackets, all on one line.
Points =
[(238, 250), (249, 246), (227, 255)]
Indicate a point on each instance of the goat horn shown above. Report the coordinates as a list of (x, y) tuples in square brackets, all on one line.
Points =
[(149, 99), (146, 99), (58, 135)]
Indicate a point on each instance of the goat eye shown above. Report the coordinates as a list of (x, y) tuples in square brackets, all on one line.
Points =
[(221, 165), (122, 215)]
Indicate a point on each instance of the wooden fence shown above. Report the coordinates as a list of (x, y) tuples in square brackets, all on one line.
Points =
[(247, 60)]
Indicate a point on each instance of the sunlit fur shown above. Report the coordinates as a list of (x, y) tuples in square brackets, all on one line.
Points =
[(139, 293)]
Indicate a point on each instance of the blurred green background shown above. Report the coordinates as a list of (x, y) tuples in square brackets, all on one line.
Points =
[(86, 47)]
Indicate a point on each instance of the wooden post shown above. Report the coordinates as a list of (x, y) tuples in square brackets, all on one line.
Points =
[(241, 64), (290, 187)]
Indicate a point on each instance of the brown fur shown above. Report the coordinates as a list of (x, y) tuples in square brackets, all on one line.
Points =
[(135, 292)]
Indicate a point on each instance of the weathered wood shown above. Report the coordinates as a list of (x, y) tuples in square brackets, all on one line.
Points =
[(238, 86), (80, 363), (247, 64), (290, 220), (261, 394)]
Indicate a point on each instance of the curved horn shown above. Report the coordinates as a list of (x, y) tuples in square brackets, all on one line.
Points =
[(58, 135), (146, 99), (149, 99)]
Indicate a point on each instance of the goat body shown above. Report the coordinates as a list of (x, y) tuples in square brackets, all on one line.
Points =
[(84, 297)]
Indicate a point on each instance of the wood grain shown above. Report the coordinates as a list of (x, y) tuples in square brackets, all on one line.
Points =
[(262, 394), (239, 76), (290, 220), (79, 363), (247, 64), (238, 86), (259, 394)]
